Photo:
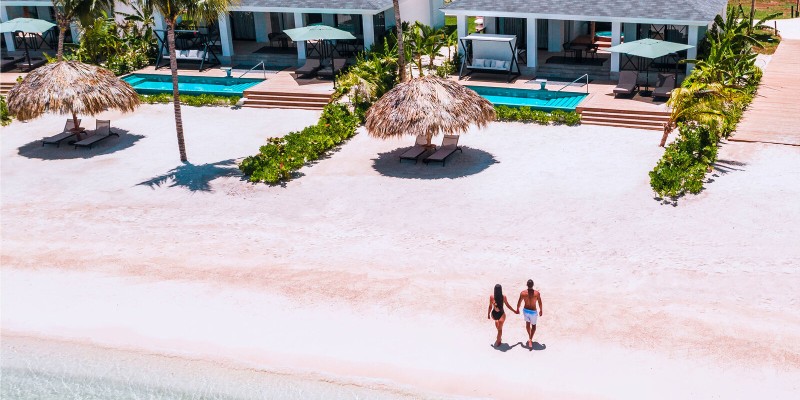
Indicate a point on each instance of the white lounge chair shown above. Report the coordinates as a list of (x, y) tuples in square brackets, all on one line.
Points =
[(449, 146), (66, 134), (102, 132)]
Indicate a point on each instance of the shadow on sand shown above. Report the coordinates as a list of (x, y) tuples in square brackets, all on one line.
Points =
[(68, 152), (504, 347), (469, 162), (196, 178)]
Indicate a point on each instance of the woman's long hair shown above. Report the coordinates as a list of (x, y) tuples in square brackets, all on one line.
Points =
[(498, 294)]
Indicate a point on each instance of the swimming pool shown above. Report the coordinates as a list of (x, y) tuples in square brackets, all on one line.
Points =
[(545, 100), (607, 34), (194, 85)]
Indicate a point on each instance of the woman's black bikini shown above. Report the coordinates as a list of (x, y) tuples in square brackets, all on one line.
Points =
[(497, 311)]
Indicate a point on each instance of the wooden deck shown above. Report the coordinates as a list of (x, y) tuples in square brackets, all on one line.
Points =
[(774, 115)]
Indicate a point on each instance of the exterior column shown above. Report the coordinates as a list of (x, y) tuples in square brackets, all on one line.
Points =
[(692, 53), (369, 30), (225, 35), (9, 37), (437, 16), (530, 39), (329, 19), (76, 33), (555, 35), (615, 40), (301, 46), (261, 21), (490, 24), (461, 27), (630, 32)]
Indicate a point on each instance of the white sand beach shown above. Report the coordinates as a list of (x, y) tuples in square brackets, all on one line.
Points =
[(374, 276)]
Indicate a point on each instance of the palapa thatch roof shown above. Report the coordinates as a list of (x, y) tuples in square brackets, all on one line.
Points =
[(70, 87), (427, 106)]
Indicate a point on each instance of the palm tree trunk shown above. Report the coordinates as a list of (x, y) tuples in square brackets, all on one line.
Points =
[(752, 15), (176, 99), (63, 25), (401, 53), (667, 129)]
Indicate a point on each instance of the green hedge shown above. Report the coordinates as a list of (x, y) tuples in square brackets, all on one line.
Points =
[(191, 100), (5, 118), (685, 162), (527, 114), (281, 156)]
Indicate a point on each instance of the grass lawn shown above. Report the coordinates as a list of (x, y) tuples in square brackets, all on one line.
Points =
[(451, 20), (767, 7)]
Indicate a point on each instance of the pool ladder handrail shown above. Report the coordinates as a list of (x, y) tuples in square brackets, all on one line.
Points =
[(577, 79), (263, 69)]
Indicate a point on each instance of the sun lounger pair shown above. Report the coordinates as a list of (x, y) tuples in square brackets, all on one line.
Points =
[(103, 131), (313, 67), (449, 146)]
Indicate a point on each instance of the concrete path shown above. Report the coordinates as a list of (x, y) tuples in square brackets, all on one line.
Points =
[(774, 115)]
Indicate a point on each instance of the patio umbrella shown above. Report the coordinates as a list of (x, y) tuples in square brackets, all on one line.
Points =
[(649, 48), (26, 25), (427, 106), (319, 32), (72, 88)]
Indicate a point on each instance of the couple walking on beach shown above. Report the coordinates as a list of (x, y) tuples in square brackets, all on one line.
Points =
[(529, 312)]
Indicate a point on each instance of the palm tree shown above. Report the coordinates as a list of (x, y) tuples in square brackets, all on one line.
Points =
[(171, 10), (401, 55), (67, 10)]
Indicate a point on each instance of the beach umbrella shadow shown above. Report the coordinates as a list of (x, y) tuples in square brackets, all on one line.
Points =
[(67, 152), (461, 164), (194, 177)]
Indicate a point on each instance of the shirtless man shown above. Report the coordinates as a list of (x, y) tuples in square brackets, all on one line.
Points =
[(531, 297)]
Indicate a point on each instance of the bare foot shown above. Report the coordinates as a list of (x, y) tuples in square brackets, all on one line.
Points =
[(530, 344), (496, 344)]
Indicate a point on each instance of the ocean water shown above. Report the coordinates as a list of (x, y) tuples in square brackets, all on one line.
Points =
[(34, 369)]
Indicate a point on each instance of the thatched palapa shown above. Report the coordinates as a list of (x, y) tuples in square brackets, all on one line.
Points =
[(429, 106), (70, 87)]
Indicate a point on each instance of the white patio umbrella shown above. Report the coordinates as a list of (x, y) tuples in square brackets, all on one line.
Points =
[(26, 25)]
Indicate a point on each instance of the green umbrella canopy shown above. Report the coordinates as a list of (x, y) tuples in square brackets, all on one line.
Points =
[(649, 48), (318, 32), (27, 25)]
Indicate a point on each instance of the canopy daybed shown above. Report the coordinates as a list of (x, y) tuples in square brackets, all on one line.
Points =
[(489, 54)]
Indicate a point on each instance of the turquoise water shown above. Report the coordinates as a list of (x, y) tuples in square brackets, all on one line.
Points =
[(545, 100), (153, 84), (607, 34)]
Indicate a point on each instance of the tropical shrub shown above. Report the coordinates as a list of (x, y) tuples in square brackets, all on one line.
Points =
[(119, 48), (708, 105), (685, 162), (527, 114), (191, 100), (280, 157), (5, 117), (373, 74)]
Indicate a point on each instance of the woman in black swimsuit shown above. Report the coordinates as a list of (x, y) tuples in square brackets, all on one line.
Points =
[(496, 311)]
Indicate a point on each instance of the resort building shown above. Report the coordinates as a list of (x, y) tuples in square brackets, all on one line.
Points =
[(569, 36), (252, 30)]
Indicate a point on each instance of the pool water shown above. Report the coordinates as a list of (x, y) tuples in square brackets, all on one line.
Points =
[(194, 85), (607, 34), (545, 100)]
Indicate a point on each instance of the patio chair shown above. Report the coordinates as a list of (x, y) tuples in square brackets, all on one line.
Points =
[(627, 83), (66, 134), (414, 153), (449, 146), (102, 132), (308, 69), (592, 50), (568, 49), (328, 71), (664, 86)]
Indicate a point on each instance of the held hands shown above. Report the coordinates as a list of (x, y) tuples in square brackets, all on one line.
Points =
[(516, 311)]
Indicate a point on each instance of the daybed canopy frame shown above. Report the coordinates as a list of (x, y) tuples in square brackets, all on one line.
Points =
[(200, 41), (467, 61)]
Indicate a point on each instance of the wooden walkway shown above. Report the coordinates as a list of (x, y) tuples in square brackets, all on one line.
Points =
[(774, 115)]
